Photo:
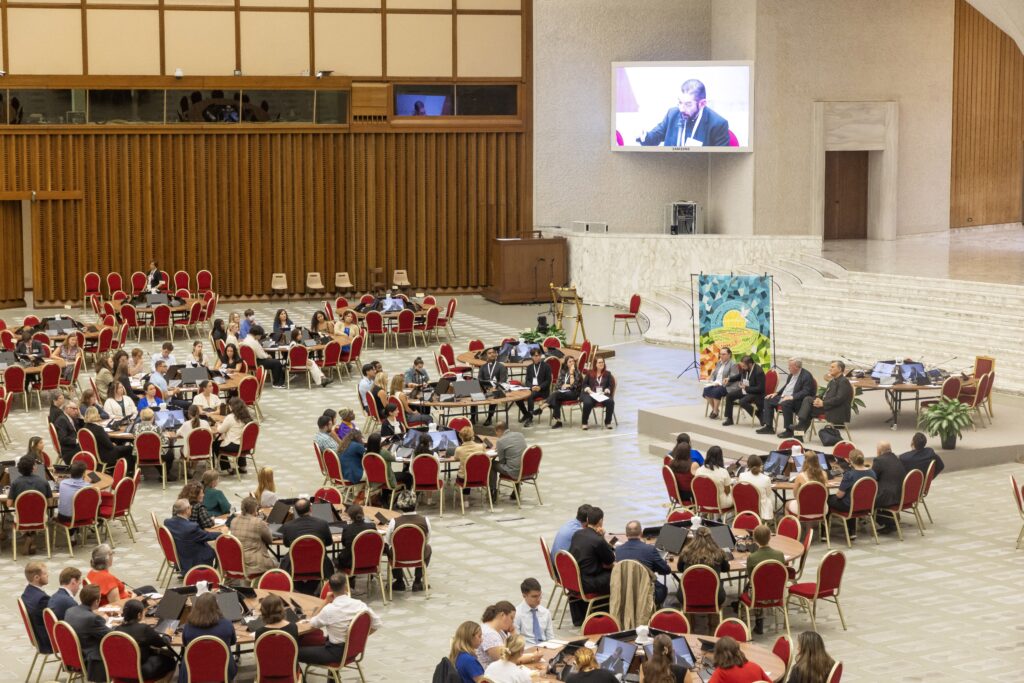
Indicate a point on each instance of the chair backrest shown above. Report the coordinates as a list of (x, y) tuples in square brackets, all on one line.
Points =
[(1018, 495), (789, 526), (124, 494), (247, 354), (249, 389), (332, 354), (746, 497), (162, 316), (92, 283), (204, 281), (983, 365), (735, 629), (670, 620), (951, 387), (843, 449), (862, 495), (699, 584), (408, 546), (307, 558), (332, 465), (200, 442), (374, 322), (358, 634), (277, 658), (634, 304), (230, 556), (167, 544), (49, 377), (426, 473), (671, 485), (568, 572), (30, 510), (705, 493), (275, 580), (478, 470), (85, 506), (812, 501), (600, 623), (457, 423), (768, 583), (771, 381), (114, 283), (529, 467), (547, 560), (748, 520), (836, 674), (181, 279), (297, 358), (50, 624), (679, 516), (14, 379), (206, 660), (87, 442), (202, 572), (278, 281), (327, 494), (830, 572), (367, 550), (250, 435), (406, 319), (476, 345), (367, 299), (27, 621), (375, 468), (783, 649), (340, 304), (913, 485), (787, 444), (148, 448), (68, 646)]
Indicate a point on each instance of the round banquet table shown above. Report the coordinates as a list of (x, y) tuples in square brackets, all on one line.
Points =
[(469, 358), (104, 482)]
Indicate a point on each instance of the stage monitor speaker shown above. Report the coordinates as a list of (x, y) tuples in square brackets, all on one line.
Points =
[(685, 218)]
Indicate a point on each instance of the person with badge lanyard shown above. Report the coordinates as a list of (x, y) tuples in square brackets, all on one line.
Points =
[(492, 374), (674, 130)]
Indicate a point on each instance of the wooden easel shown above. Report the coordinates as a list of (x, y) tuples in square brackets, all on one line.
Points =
[(560, 296)]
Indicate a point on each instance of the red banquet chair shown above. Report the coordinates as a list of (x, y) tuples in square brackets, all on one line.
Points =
[(206, 660), (275, 580), (30, 515), (85, 508), (231, 559), (69, 649), (1018, 497), (735, 629), (114, 284), (91, 288), (827, 586), (202, 572), (298, 356), (445, 323), (630, 316), (529, 470), (812, 505), (599, 624), (746, 521), (569, 574), (376, 470), (675, 493), (478, 475), (553, 575), (306, 555), (355, 647), (746, 498), (367, 551), (181, 280), (405, 325), (122, 659), (783, 649), (705, 497), (169, 568), (327, 494), (446, 352), (36, 649), (699, 585), (277, 658), (408, 551), (150, 453), (670, 620), (910, 497), (862, 506), (119, 506), (374, 323), (426, 478), (767, 589), (789, 526), (204, 282)]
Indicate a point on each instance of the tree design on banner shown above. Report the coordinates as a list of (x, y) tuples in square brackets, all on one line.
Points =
[(734, 311)]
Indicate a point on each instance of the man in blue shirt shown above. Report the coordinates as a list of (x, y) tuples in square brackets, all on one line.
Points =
[(68, 488), (646, 554), (247, 322), (564, 536), (157, 378)]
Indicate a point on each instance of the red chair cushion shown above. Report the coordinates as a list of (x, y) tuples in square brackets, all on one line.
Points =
[(807, 590), (624, 315), (745, 599)]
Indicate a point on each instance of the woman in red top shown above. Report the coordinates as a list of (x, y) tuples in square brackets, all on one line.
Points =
[(112, 589), (732, 667), (683, 467)]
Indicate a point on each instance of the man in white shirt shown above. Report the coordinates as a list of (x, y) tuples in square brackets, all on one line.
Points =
[(166, 355), (366, 383), (533, 620), (334, 619), (254, 340)]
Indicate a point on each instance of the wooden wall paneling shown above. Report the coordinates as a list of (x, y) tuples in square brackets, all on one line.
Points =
[(12, 288), (988, 125)]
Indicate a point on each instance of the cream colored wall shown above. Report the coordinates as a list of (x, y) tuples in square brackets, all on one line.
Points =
[(871, 50), (576, 175), (44, 41), (200, 43), (130, 41)]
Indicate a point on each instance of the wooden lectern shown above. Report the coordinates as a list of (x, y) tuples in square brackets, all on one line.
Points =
[(522, 270)]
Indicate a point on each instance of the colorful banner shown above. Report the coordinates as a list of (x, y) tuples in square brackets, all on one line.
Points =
[(734, 311)]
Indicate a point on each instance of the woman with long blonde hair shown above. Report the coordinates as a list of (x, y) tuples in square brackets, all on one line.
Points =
[(508, 669), (266, 489), (463, 653)]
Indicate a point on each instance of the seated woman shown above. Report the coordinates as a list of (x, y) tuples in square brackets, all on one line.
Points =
[(229, 434), (158, 660), (206, 619), (282, 323), (138, 365), (193, 493), (684, 468), (151, 400), (470, 444), (234, 329), (213, 498), (714, 469), (104, 377), (395, 479), (106, 450), (91, 400), (320, 325), (347, 326), (661, 664), (463, 653), (568, 385), (509, 670), (356, 525), (397, 390), (731, 666), (219, 332), (350, 452), (315, 373), (207, 399), (755, 476), (720, 377), (588, 670), (231, 360), (112, 590), (119, 405), (599, 383), (703, 550), (266, 489), (147, 423), (813, 663), (272, 613), (840, 500), (389, 424), (196, 358), (69, 351), (811, 471)]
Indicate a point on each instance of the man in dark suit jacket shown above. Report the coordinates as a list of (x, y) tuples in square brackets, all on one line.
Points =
[(890, 473), (193, 543), (36, 600), (593, 554), (922, 456), (538, 380), (492, 373), (90, 628), (751, 387), (67, 427), (799, 385), (64, 598), (690, 122), (836, 402), (646, 554), (305, 524), (28, 346)]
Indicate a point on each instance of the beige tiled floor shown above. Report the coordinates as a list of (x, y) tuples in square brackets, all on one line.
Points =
[(917, 610)]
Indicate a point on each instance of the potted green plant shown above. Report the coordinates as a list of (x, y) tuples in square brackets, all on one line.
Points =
[(532, 335), (946, 420)]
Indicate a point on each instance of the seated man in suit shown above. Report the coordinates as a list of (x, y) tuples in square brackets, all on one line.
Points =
[(646, 554), (689, 124), (921, 456), (305, 524), (28, 481), (28, 346), (748, 392), (492, 373), (193, 543), (538, 380), (90, 628), (64, 598), (836, 402), (890, 473), (36, 600), (67, 426), (799, 385), (593, 554)]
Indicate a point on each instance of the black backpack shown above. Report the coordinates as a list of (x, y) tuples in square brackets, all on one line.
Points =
[(445, 672)]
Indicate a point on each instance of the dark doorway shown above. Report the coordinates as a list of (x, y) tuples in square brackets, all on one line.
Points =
[(846, 195)]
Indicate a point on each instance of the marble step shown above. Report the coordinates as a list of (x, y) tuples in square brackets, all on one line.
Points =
[(967, 299), (823, 265)]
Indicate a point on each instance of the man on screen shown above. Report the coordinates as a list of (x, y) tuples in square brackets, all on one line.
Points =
[(689, 124)]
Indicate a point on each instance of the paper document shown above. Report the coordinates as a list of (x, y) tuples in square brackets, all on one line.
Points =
[(600, 398)]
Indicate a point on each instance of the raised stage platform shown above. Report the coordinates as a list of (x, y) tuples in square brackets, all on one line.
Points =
[(1001, 442)]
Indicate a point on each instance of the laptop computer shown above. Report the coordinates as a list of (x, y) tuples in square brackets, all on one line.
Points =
[(169, 419), (682, 654), (57, 327), (194, 375), (329, 514), (230, 603), (467, 387), (723, 536), (910, 372), (775, 464), (168, 610), (671, 539), (309, 342), (798, 462), (615, 655), (439, 441), (157, 299), (443, 386), (278, 515), (8, 358), (15, 475)]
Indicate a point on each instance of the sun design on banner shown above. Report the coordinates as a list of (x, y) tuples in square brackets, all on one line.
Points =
[(735, 312)]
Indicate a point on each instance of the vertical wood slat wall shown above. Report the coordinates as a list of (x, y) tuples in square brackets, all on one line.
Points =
[(11, 266), (987, 179), (246, 205)]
